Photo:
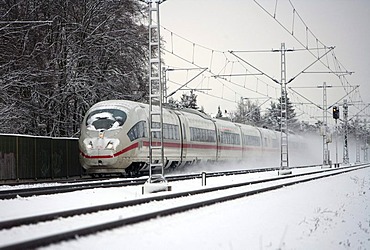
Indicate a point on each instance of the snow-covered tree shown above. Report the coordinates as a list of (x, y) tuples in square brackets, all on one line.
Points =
[(248, 113), (51, 72), (219, 113), (189, 100), (273, 116)]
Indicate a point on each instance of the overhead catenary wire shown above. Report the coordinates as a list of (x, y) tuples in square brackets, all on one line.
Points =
[(318, 42), (339, 67), (321, 56), (212, 51), (201, 91), (227, 61)]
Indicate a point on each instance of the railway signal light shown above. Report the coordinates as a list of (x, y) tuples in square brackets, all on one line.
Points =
[(335, 112)]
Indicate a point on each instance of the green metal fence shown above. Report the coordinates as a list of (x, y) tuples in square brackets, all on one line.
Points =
[(30, 157)]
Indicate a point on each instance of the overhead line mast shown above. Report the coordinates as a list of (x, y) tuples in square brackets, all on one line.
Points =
[(345, 119), (284, 156), (157, 182), (326, 154), (155, 90)]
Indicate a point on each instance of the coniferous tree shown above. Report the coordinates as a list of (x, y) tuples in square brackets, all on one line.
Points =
[(272, 117), (189, 101), (293, 123), (219, 113), (248, 113), (241, 112)]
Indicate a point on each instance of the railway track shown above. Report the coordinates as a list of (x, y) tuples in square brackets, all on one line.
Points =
[(76, 179), (170, 203), (55, 189)]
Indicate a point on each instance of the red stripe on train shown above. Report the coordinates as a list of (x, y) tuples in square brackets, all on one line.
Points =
[(131, 147), (171, 145)]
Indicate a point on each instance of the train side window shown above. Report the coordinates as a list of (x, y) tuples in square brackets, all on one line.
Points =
[(202, 135), (230, 138), (170, 131), (237, 141), (171, 135), (141, 129), (223, 138), (258, 141), (209, 136), (173, 132), (156, 134), (166, 131), (137, 131), (251, 140), (177, 134)]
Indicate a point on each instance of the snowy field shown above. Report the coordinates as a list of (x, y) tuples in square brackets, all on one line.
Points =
[(330, 213)]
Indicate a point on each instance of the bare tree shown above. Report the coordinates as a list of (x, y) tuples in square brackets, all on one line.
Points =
[(57, 58)]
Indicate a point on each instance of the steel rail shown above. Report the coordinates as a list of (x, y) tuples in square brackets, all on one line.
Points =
[(27, 192), (43, 241), (92, 209), (135, 219)]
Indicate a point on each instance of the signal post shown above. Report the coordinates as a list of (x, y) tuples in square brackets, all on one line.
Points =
[(336, 117)]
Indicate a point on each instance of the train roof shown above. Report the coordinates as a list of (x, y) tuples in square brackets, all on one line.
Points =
[(127, 104), (193, 111), (120, 103)]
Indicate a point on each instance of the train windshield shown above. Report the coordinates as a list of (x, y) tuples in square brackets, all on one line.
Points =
[(104, 119)]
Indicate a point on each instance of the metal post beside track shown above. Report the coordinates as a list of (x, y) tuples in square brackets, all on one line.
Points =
[(345, 146), (357, 134), (156, 146), (204, 180), (284, 157)]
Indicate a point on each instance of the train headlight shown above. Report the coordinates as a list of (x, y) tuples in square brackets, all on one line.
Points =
[(89, 145), (110, 145)]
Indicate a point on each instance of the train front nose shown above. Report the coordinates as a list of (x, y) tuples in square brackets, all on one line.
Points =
[(101, 151), (100, 139)]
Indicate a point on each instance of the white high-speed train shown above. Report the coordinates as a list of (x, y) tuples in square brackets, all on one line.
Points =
[(114, 139)]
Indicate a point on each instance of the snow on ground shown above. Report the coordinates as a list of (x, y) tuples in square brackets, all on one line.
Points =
[(14, 208), (331, 213)]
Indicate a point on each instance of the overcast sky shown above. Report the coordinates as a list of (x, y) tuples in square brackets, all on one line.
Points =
[(211, 28)]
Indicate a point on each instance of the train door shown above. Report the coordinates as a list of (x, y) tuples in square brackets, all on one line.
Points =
[(218, 140), (242, 142), (262, 143), (183, 124)]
